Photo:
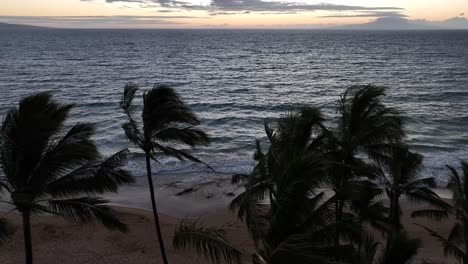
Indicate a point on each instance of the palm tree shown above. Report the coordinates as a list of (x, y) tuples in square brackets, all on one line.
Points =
[(365, 126), (401, 178), (297, 225), (370, 211), (46, 172), (456, 244), (165, 118)]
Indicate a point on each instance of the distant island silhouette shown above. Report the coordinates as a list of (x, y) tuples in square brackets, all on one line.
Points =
[(398, 23), (8, 26)]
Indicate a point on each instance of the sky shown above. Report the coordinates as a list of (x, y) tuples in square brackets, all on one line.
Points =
[(223, 13)]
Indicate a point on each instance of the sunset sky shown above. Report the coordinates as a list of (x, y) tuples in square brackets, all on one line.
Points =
[(222, 13)]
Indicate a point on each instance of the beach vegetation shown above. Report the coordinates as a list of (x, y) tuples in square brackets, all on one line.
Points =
[(46, 169), (165, 119)]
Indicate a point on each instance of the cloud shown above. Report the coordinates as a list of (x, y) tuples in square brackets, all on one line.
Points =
[(370, 14), (101, 21), (250, 5), (165, 11)]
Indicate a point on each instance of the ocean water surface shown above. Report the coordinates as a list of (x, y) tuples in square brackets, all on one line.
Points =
[(234, 79)]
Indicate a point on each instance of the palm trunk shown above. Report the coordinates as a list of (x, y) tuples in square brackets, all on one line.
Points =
[(394, 218), (465, 235), (337, 216), (155, 210), (360, 241), (27, 236)]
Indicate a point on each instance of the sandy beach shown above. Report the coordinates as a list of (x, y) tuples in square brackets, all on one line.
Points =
[(57, 241)]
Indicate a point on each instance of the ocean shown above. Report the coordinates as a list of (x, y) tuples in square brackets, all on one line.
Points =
[(234, 79)]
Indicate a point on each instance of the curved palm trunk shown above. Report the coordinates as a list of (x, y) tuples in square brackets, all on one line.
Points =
[(27, 236), (155, 210)]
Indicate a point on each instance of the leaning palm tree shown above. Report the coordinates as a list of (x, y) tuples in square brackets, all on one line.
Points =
[(366, 126), (165, 118), (400, 178), (46, 172), (456, 244), (297, 225)]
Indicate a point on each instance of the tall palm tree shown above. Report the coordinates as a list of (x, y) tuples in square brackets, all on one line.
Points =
[(401, 179), (46, 172), (456, 244), (165, 118), (297, 225), (365, 127)]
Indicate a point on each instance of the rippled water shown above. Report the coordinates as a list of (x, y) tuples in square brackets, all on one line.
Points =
[(235, 78)]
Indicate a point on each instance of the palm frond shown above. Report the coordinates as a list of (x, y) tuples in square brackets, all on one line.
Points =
[(455, 184), (163, 108), (424, 182), (425, 195), (133, 134), (206, 241), (189, 136), (73, 150), (86, 210), (131, 127), (94, 178), (239, 178), (369, 250), (250, 211), (431, 214), (6, 231), (300, 249), (179, 154), (451, 247), (127, 98)]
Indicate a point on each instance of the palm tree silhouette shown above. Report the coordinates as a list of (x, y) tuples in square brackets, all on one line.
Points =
[(365, 126), (298, 225), (401, 179), (456, 244), (165, 118), (46, 172), (370, 211)]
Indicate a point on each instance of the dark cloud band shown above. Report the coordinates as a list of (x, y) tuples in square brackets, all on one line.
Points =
[(250, 5)]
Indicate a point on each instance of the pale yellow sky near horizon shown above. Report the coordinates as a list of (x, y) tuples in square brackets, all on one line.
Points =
[(436, 10)]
